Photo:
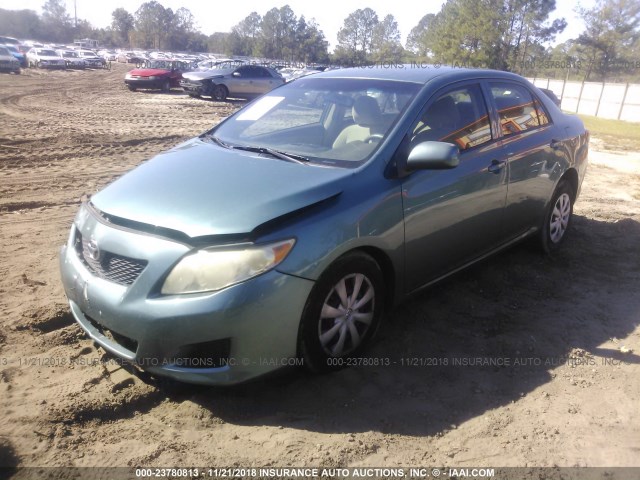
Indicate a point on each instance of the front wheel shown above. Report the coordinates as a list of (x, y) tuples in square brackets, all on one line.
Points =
[(219, 93), (131, 87), (342, 313), (558, 218), (166, 86)]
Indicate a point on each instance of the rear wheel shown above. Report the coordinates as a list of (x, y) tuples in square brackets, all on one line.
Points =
[(558, 218), (166, 86), (219, 93), (342, 313)]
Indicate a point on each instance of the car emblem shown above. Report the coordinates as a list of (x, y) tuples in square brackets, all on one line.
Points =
[(93, 251)]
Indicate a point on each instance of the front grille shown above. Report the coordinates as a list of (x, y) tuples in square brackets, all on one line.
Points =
[(107, 265), (126, 342)]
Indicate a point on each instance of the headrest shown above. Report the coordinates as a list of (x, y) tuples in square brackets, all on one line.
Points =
[(442, 113), (366, 111)]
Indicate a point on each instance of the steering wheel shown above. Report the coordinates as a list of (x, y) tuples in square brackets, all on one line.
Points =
[(375, 136)]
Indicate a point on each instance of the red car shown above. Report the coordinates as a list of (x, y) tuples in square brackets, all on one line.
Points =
[(156, 74)]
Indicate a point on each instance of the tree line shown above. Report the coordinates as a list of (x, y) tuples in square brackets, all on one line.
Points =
[(508, 35)]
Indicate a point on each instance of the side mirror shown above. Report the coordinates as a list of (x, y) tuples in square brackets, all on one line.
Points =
[(433, 156)]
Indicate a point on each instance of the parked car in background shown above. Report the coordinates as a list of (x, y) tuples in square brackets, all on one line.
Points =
[(108, 55), (286, 229), (91, 58), (156, 74), (72, 58), (131, 57), (552, 96), (45, 58), (246, 81), (8, 63), (17, 54)]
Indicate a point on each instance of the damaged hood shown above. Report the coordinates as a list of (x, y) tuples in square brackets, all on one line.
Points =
[(212, 73), (202, 189)]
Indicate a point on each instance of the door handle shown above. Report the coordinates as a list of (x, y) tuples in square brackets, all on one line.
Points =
[(496, 166), (555, 144)]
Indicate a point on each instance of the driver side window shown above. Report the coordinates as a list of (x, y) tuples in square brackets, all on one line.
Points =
[(458, 116)]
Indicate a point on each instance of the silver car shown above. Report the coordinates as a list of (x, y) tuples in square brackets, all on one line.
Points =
[(45, 58), (246, 81)]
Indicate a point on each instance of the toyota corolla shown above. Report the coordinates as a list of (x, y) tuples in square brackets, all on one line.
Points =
[(284, 232)]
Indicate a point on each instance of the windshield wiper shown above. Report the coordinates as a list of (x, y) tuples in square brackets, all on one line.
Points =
[(289, 157), (216, 140)]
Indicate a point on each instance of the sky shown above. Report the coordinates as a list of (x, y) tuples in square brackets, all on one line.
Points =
[(220, 16)]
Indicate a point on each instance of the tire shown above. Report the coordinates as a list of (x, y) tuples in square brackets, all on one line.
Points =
[(557, 219), (38, 65), (193, 95), (131, 87), (219, 93), (166, 86), (324, 339)]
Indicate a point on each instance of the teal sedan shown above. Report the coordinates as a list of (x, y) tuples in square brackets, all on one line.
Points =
[(281, 235)]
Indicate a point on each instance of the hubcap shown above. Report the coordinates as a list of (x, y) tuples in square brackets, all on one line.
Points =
[(346, 315), (560, 217)]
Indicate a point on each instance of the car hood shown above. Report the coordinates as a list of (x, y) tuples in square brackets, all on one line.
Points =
[(48, 57), (148, 72), (201, 189), (212, 73), (7, 57)]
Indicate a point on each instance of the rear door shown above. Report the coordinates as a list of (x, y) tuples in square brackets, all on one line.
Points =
[(453, 216), (532, 149)]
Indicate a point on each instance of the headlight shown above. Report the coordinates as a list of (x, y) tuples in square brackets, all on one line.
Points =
[(128, 75), (213, 269), (153, 77)]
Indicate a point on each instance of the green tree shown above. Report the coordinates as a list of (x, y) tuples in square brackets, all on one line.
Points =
[(311, 44), (152, 25), (418, 41), (218, 42), (355, 38), (56, 22), (278, 33), (245, 36), (20, 23), (610, 38), (121, 24), (503, 34), (385, 44)]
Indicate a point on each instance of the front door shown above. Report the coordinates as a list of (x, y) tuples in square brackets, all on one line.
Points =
[(453, 216)]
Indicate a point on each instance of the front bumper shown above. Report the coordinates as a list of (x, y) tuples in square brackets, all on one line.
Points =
[(194, 88), (46, 64), (143, 83), (94, 63), (253, 325), (10, 67)]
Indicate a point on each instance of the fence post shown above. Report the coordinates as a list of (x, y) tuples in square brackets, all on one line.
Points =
[(579, 96), (624, 97), (600, 99)]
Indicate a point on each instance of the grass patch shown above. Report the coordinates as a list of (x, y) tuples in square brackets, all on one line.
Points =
[(616, 134)]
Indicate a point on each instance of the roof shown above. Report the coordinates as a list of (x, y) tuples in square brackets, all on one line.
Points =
[(415, 72)]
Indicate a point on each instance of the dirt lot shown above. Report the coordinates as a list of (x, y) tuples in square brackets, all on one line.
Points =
[(567, 394)]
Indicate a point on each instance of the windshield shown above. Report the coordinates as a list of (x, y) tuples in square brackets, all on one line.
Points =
[(334, 121), (4, 51), (160, 64), (70, 55), (47, 53)]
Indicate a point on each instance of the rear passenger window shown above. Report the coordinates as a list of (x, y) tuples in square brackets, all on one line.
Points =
[(517, 109), (459, 116)]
